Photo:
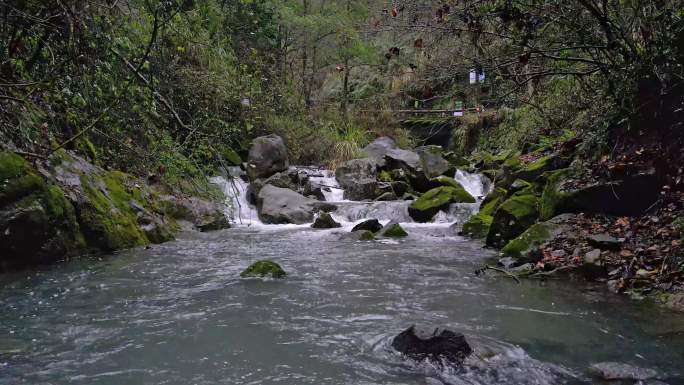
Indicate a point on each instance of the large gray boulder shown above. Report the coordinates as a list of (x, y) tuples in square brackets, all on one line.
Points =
[(432, 161), (280, 205), (379, 147), (408, 161), (358, 177), (410, 165), (267, 156)]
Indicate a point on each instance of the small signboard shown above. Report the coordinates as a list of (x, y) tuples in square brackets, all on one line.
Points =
[(473, 76), (458, 107)]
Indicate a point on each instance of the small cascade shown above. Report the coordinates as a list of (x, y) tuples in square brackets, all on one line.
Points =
[(476, 185), (240, 211), (383, 211), (238, 208), (326, 180)]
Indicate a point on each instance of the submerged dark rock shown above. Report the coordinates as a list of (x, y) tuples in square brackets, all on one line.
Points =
[(614, 371), (435, 345), (372, 225)]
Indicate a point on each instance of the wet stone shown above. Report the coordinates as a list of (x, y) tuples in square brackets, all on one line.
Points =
[(604, 242), (613, 371)]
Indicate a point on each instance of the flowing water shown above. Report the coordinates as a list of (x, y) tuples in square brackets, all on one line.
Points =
[(179, 314)]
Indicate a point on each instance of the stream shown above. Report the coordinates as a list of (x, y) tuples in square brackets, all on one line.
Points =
[(178, 313)]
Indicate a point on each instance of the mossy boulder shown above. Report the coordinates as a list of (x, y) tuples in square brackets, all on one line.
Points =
[(629, 196), (525, 248), (359, 235), (37, 222), (107, 219), (477, 226), (115, 210), (445, 181), (536, 169), (262, 269), (393, 230), (512, 218), (493, 200), (424, 208)]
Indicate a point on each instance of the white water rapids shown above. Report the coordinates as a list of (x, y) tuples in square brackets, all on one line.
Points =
[(241, 212)]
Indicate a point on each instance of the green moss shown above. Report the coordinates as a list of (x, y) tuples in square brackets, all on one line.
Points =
[(231, 157), (446, 181), (114, 181), (385, 176), (513, 162), (366, 235), (21, 186), (512, 218), (535, 169), (11, 166), (678, 225), (492, 201), (428, 204), (262, 269), (88, 148), (394, 231), (551, 195), (533, 237), (478, 225), (110, 225), (524, 206)]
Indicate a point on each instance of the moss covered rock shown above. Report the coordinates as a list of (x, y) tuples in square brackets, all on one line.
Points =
[(445, 181), (477, 226), (525, 248), (512, 218), (115, 210), (263, 269), (493, 200), (359, 235), (393, 230), (630, 196), (536, 169), (37, 222), (424, 208)]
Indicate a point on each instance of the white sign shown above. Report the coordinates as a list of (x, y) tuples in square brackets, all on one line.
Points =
[(473, 76)]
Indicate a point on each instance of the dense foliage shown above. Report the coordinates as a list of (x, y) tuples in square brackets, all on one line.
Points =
[(173, 87)]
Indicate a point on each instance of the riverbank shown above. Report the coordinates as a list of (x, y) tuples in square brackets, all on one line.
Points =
[(614, 222), (64, 207)]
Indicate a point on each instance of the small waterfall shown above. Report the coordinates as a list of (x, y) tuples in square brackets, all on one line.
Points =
[(332, 190), (240, 211), (383, 211), (237, 207), (476, 185)]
